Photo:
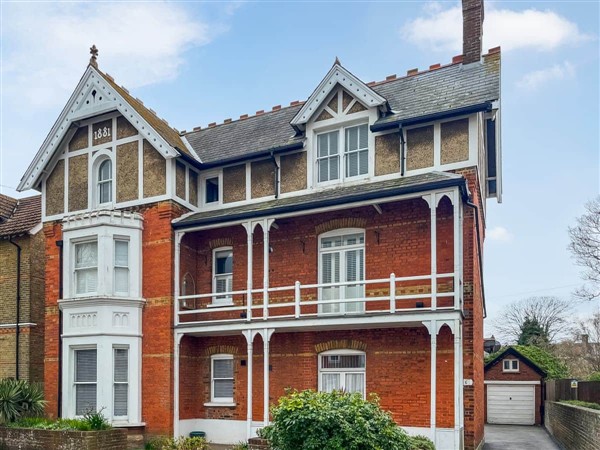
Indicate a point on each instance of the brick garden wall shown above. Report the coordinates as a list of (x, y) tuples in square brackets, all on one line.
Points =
[(574, 427), (29, 439)]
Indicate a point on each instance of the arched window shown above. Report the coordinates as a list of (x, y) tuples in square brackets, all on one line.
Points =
[(105, 182)]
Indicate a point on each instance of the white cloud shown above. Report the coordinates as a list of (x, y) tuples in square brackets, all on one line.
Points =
[(500, 234), (440, 29), (533, 80), (47, 45)]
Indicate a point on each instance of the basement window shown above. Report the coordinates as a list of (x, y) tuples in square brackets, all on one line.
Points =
[(510, 365)]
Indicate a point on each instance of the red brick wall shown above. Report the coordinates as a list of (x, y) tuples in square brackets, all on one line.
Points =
[(525, 373), (397, 369)]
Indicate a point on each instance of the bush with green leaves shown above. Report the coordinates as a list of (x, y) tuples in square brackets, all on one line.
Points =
[(18, 398), (91, 421), (180, 443), (589, 405), (594, 376), (336, 420)]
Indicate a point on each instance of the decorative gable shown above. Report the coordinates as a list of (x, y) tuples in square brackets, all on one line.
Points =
[(358, 96), (97, 94), (340, 103)]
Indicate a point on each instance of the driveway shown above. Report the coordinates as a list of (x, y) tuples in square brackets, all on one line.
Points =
[(517, 437)]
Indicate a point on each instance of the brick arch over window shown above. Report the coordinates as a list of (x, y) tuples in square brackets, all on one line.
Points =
[(221, 349), (341, 344), (220, 242), (334, 224)]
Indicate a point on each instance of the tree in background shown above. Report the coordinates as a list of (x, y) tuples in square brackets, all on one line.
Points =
[(550, 314), (585, 248), (532, 333), (589, 334)]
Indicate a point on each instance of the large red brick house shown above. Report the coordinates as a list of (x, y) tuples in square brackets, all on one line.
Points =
[(336, 243)]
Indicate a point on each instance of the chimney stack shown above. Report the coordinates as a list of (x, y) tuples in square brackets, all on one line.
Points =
[(472, 30)]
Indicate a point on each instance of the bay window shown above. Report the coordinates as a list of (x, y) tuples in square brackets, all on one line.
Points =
[(85, 380), (86, 267), (120, 381), (121, 266)]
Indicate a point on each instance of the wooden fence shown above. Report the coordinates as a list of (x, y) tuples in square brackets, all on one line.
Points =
[(587, 391)]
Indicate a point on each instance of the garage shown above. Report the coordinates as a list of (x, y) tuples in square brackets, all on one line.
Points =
[(511, 404), (513, 389)]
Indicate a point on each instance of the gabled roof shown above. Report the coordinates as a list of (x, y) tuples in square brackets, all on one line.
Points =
[(440, 91), (96, 93), (337, 75), (7, 207), (25, 216), (511, 351), (377, 192)]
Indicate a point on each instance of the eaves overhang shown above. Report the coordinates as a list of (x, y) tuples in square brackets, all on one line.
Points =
[(315, 203), (263, 153)]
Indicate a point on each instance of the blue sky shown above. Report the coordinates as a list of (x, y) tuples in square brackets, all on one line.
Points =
[(201, 62)]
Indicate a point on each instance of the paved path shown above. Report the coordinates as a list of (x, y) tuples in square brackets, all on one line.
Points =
[(517, 437)]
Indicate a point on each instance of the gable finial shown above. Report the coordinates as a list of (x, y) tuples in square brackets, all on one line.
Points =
[(337, 61), (94, 57)]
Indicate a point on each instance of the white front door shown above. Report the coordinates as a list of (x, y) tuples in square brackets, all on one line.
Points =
[(342, 260), (512, 404)]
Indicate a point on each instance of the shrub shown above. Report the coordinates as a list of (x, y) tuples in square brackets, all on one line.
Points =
[(311, 420), (581, 403), (594, 376), (42, 423), (96, 420), (421, 443), (18, 398), (240, 446), (181, 443)]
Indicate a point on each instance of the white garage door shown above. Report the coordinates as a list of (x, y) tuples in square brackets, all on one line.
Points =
[(511, 404)]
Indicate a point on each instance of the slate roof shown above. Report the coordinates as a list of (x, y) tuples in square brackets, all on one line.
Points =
[(377, 192), (26, 215), (438, 90), (161, 127)]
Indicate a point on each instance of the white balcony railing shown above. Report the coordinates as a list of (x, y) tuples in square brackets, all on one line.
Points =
[(393, 295)]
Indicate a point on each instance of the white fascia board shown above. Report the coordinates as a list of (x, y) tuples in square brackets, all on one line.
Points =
[(191, 149), (71, 114), (341, 76), (511, 382)]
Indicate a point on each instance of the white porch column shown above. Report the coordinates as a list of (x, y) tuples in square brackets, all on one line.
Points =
[(178, 338), (266, 335), (266, 226), (249, 226), (432, 327), (431, 199), (176, 282), (457, 247), (457, 381), (249, 335)]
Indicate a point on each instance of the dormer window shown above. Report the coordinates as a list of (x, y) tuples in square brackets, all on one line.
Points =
[(332, 164), (105, 182)]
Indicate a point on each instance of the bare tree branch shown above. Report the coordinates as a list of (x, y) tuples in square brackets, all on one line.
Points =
[(585, 249), (550, 312)]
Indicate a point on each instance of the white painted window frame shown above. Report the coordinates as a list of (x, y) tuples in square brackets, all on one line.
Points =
[(72, 376), (203, 178), (97, 160), (114, 382), (512, 367), (119, 238), (74, 270), (342, 372), (220, 400), (226, 300), (342, 249)]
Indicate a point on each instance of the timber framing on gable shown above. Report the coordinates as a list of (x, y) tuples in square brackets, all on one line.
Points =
[(94, 95), (337, 75)]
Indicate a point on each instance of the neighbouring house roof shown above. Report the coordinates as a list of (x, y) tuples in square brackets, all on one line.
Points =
[(513, 351), (377, 192), (26, 215), (441, 90), (7, 207)]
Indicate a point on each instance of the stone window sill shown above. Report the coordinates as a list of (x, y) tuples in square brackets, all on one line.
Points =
[(220, 404)]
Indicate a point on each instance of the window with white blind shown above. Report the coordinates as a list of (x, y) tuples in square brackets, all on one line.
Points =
[(221, 379), (85, 381), (333, 164), (121, 267), (86, 267), (342, 370), (341, 260), (120, 381), (222, 275)]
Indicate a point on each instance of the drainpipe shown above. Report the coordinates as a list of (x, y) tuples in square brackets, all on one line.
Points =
[(18, 307), (59, 244), (402, 146), (276, 177), (479, 253)]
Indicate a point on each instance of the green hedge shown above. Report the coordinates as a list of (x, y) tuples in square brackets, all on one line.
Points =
[(580, 403)]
